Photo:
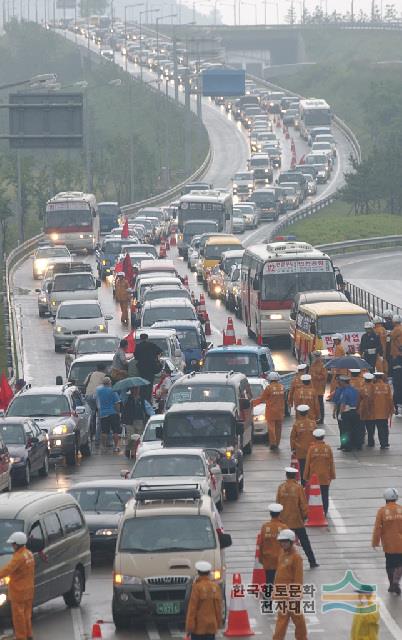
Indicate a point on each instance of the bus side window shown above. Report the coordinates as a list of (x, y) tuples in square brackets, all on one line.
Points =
[(313, 328)]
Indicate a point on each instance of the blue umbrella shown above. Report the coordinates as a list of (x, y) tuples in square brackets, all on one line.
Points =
[(347, 362), (128, 383)]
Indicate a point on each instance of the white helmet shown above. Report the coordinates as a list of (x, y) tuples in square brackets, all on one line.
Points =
[(337, 336), (377, 320), (391, 494), (273, 375), (387, 313), (396, 319), (287, 534), (275, 507), (203, 566), (18, 537), (368, 325)]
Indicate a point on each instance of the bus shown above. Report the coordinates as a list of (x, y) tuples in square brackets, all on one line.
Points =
[(314, 112), (207, 205), (271, 275), (72, 219)]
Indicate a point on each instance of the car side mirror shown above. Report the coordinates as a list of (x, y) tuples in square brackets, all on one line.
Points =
[(108, 317), (177, 353), (70, 350), (51, 320), (313, 328), (35, 546), (80, 411), (124, 473), (225, 540), (239, 428), (245, 403), (37, 290), (256, 284), (292, 315), (159, 433), (49, 287), (98, 283)]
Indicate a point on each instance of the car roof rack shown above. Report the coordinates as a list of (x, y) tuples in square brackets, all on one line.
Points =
[(155, 492)]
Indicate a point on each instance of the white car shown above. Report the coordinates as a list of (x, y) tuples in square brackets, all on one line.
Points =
[(192, 254), (149, 440), (46, 257), (180, 466), (238, 224), (257, 386), (77, 317)]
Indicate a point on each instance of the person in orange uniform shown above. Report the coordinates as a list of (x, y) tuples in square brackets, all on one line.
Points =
[(381, 331), (356, 379), (204, 611), (320, 461), (383, 408), (388, 532), (274, 398), (301, 436), (296, 382), (291, 496), (396, 336), (269, 547), (306, 394), (122, 295), (21, 571), (338, 352), (366, 407), (290, 574), (319, 374)]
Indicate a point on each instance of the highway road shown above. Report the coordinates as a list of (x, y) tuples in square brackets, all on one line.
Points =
[(355, 495)]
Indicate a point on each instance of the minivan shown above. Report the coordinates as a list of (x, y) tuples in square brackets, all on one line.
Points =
[(308, 297), (57, 536)]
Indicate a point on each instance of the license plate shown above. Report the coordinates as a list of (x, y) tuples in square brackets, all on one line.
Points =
[(168, 608)]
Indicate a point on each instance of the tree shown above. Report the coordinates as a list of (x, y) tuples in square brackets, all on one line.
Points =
[(93, 7), (390, 14), (5, 214), (291, 14)]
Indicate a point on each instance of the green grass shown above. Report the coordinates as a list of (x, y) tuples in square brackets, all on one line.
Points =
[(337, 223)]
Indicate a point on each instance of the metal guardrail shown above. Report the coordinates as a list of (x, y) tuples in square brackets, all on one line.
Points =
[(374, 304), (348, 246)]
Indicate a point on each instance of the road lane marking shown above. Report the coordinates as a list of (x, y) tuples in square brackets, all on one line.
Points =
[(152, 631), (388, 620), (78, 627), (338, 520)]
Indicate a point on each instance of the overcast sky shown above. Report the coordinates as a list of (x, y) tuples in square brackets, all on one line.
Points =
[(252, 9)]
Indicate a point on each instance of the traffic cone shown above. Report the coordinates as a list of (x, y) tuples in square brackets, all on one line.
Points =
[(293, 161), (167, 244), (207, 325), (278, 123), (230, 332), (173, 240), (238, 621), (259, 340), (162, 250), (258, 570), (223, 338), (287, 136), (274, 121), (316, 516), (295, 464), (202, 310), (239, 342), (185, 281), (193, 300), (292, 145), (284, 129), (96, 630)]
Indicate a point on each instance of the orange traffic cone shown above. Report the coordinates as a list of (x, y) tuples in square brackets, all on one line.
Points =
[(238, 621), (292, 145), (201, 309), (173, 240), (287, 136), (295, 464), (207, 325), (259, 340), (258, 570), (167, 244), (96, 630), (293, 161), (230, 332), (316, 516), (162, 250)]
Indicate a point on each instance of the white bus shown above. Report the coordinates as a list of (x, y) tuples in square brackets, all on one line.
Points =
[(314, 112), (72, 219), (212, 205), (271, 275)]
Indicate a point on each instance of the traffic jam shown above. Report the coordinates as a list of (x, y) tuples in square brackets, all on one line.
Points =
[(184, 407)]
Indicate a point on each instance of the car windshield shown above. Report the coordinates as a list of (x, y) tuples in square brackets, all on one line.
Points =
[(161, 294), (68, 218), (256, 389), (112, 247), (80, 370), (318, 158), (321, 145), (194, 228), (7, 527), (150, 431), (112, 499), (242, 176), (41, 405), (12, 433), (214, 251), (228, 263), (167, 533), (188, 339), (263, 198), (167, 313), (202, 393), (74, 282), (353, 323), (247, 208), (204, 429), (284, 286), (98, 345), (108, 209), (53, 252), (170, 465), (259, 162), (246, 363), (289, 191), (79, 312)]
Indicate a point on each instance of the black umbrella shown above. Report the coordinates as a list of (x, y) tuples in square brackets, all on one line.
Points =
[(347, 362)]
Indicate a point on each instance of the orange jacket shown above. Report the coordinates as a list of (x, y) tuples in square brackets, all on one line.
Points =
[(358, 383), (388, 528), (320, 461), (291, 496), (21, 570), (204, 611), (301, 436), (396, 340), (306, 394), (366, 403), (382, 334), (274, 398), (383, 405), (269, 546), (318, 374), (122, 293), (295, 384), (339, 351), (289, 570), (381, 364)]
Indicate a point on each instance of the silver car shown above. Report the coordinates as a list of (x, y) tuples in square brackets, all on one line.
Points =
[(77, 317), (48, 256)]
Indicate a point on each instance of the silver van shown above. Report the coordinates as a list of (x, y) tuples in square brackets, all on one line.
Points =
[(57, 536)]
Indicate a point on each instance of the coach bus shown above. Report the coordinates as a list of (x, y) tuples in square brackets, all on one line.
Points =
[(212, 205), (314, 112), (72, 219), (271, 275)]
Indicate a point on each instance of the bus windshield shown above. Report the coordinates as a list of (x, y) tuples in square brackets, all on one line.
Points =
[(284, 286), (317, 117), (68, 218), (214, 251)]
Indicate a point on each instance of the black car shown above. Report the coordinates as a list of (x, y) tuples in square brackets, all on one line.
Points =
[(103, 503), (28, 448)]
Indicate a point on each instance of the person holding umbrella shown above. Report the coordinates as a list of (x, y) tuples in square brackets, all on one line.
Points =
[(135, 410)]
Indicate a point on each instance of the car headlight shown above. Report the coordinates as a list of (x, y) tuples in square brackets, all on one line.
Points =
[(106, 532), (42, 299), (120, 578), (60, 430), (54, 236), (266, 170), (260, 418), (60, 329), (54, 303), (4, 581), (250, 186), (101, 327), (275, 316), (104, 262), (15, 460), (40, 264), (234, 185), (216, 574)]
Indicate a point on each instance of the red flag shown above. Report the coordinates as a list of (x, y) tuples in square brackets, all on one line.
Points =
[(6, 392), (118, 267), (128, 269), (125, 231), (131, 342)]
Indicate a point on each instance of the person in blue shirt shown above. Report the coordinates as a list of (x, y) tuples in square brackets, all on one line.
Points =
[(346, 401), (108, 403)]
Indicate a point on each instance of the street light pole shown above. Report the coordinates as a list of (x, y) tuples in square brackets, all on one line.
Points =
[(128, 6), (170, 15), (147, 12)]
